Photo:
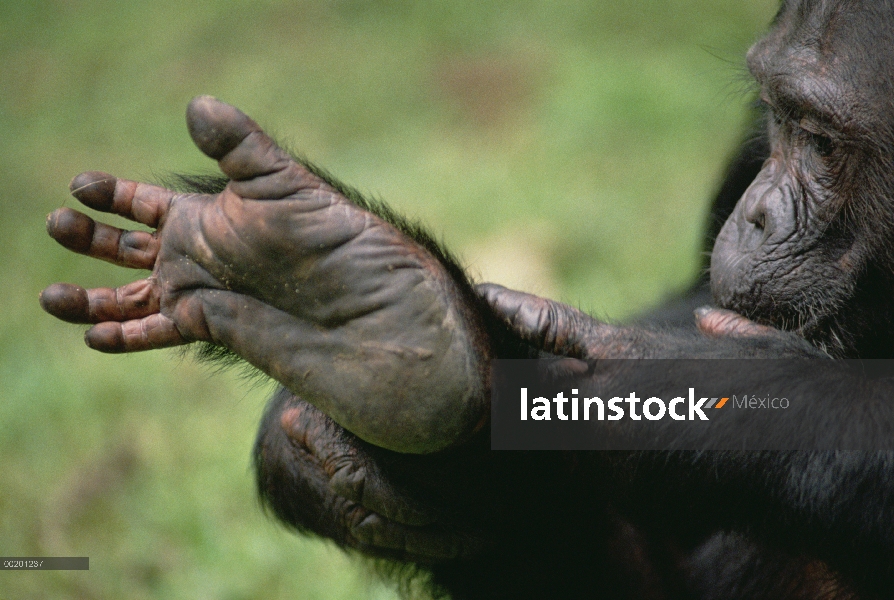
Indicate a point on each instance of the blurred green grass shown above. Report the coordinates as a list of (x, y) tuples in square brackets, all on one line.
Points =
[(566, 147)]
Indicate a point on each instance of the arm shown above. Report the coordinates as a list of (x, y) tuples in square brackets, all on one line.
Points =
[(317, 477), (370, 323), (834, 505), (283, 269)]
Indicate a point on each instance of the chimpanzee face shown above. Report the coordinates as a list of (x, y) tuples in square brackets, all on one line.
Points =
[(810, 246)]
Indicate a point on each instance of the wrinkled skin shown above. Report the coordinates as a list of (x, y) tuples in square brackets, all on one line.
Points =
[(320, 478), (331, 483), (283, 270), (807, 249), (348, 312), (782, 498), (821, 520), (808, 246)]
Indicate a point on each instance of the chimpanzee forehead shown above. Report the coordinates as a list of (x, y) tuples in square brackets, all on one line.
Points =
[(835, 56), (858, 32)]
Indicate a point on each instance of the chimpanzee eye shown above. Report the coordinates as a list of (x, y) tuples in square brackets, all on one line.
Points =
[(821, 143)]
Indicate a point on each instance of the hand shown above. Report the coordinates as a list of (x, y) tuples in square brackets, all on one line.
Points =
[(560, 329), (281, 268), (318, 477), (563, 330)]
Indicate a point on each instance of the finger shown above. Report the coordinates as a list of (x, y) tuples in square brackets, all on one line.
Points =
[(429, 544), (566, 367), (369, 487), (352, 474), (79, 233), (67, 302), (548, 325), (140, 202), (258, 167), (74, 304), (149, 333), (717, 322)]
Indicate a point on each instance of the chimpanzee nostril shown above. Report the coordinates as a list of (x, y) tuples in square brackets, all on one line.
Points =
[(758, 218), (761, 197), (756, 209)]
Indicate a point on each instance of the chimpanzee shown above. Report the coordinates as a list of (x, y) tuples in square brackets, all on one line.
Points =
[(387, 343)]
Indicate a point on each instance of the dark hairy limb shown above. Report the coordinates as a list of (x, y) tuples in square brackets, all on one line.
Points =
[(833, 506), (806, 250), (318, 477), (282, 269)]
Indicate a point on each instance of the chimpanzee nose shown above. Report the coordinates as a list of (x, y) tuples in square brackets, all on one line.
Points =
[(762, 197), (756, 210)]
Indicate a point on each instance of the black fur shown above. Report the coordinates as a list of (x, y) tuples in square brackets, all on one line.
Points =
[(692, 525)]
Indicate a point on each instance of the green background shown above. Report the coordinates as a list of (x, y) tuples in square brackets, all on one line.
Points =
[(566, 148)]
